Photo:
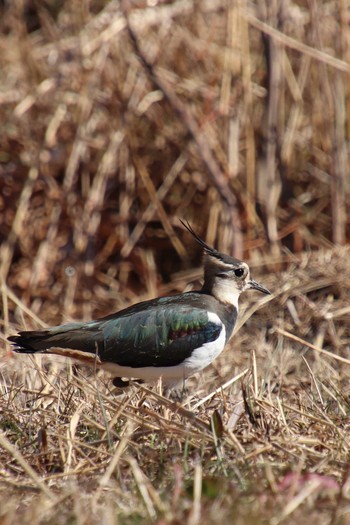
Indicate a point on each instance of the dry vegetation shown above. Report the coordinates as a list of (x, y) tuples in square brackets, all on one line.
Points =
[(114, 123)]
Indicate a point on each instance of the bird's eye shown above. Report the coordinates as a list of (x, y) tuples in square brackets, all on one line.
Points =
[(239, 272)]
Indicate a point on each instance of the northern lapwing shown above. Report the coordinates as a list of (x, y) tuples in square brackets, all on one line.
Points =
[(168, 337)]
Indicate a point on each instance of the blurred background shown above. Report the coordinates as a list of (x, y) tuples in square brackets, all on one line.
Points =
[(117, 119)]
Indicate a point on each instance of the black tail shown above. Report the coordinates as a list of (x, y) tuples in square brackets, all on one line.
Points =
[(74, 336), (30, 342)]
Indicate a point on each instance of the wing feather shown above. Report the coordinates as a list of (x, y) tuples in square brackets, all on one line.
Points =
[(158, 333), (159, 337)]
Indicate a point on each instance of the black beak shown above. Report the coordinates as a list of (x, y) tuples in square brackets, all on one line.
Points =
[(256, 286)]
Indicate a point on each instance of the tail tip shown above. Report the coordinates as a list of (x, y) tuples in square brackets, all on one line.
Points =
[(18, 345)]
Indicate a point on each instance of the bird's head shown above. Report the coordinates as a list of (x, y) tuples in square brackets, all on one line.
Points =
[(225, 277)]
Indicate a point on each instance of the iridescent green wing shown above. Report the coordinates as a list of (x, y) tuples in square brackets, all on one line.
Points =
[(164, 334)]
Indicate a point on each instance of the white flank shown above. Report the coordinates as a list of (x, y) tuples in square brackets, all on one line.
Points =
[(204, 355)]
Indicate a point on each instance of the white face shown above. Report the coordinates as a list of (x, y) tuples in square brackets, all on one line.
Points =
[(230, 283), (227, 292)]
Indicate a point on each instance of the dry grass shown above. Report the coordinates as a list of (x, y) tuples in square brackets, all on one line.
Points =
[(236, 117)]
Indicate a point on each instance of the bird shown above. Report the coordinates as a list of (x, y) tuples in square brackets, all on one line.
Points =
[(170, 337)]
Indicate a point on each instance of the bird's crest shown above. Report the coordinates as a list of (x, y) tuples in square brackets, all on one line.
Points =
[(212, 252)]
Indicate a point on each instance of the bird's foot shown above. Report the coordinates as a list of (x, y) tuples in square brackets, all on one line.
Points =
[(119, 382), (176, 392)]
